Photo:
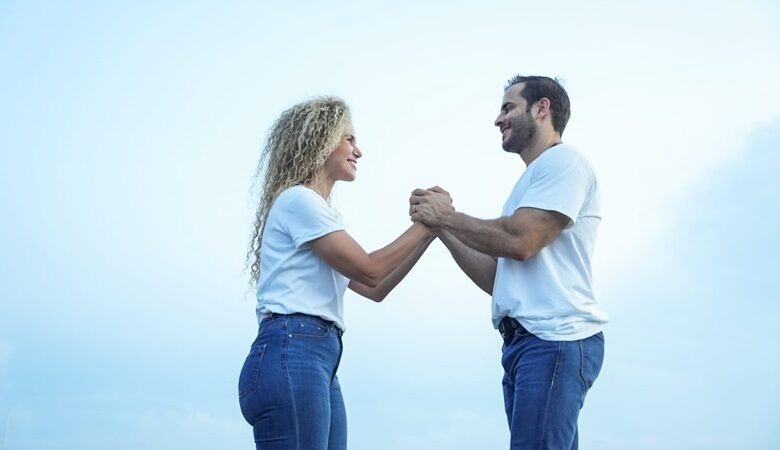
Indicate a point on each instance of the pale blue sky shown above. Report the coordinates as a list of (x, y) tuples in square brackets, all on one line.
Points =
[(129, 132)]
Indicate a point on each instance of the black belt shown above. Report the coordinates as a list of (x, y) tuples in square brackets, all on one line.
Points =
[(507, 327)]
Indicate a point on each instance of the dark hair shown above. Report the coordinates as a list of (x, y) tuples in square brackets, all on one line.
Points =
[(538, 87)]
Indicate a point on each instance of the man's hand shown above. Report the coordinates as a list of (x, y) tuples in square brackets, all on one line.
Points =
[(430, 206)]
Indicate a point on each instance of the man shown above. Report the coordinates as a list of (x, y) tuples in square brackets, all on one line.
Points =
[(536, 263)]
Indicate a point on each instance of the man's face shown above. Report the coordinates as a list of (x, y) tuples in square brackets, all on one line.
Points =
[(518, 128)]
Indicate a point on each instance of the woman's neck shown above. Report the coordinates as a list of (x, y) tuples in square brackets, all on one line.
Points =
[(321, 185)]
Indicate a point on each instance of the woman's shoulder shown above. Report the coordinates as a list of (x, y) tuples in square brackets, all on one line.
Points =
[(299, 195), (292, 192)]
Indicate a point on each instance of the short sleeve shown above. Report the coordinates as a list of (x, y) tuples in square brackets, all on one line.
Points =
[(308, 216), (560, 182)]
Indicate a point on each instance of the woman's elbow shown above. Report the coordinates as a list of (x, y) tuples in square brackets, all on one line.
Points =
[(367, 281), (368, 277), (374, 294)]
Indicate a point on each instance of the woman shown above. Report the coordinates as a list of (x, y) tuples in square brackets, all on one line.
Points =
[(302, 261)]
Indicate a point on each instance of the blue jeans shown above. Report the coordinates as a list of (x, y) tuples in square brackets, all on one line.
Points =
[(545, 383), (288, 389)]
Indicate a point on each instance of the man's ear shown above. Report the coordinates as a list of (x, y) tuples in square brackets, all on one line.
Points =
[(542, 107)]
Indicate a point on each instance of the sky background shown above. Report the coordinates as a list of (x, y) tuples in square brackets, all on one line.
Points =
[(130, 131)]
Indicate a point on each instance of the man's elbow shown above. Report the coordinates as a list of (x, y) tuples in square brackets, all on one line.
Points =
[(524, 252), (377, 297)]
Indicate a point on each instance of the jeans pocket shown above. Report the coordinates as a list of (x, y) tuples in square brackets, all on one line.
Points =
[(250, 373), (592, 352)]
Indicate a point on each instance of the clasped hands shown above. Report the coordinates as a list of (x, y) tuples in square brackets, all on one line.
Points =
[(430, 206)]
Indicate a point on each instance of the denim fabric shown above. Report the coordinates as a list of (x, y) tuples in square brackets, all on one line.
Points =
[(545, 383), (288, 389)]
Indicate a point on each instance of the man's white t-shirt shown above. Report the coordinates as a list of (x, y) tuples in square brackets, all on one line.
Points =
[(293, 279), (551, 294)]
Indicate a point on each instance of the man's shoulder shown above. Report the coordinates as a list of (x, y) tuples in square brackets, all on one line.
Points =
[(562, 153), (563, 156)]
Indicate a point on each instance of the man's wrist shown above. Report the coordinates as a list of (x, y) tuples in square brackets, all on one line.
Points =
[(446, 221)]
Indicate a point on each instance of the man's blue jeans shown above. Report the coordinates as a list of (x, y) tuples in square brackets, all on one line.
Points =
[(288, 389), (545, 383)]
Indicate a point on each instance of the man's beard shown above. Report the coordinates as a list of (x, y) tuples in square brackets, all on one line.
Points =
[(521, 134)]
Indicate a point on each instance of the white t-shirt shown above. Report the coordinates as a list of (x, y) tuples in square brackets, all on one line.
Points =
[(293, 279), (551, 294)]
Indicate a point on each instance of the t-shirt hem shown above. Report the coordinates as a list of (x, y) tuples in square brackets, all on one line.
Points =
[(567, 337)]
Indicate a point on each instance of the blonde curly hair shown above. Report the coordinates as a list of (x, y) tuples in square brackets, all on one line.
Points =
[(297, 146)]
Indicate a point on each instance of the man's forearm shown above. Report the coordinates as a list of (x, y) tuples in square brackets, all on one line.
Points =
[(489, 237), (479, 267)]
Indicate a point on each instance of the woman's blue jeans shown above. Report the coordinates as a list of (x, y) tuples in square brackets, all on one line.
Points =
[(545, 383), (288, 389)]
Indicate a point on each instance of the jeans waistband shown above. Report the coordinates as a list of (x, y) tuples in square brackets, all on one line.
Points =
[(316, 319)]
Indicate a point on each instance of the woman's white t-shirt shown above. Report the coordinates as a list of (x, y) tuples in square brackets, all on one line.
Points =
[(293, 279)]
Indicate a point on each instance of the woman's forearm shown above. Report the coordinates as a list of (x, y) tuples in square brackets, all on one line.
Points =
[(398, 273)]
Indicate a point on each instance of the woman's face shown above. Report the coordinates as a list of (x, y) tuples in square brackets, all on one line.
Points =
[(341, 165)]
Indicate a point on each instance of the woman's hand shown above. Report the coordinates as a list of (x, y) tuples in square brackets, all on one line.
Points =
[(430, 206)]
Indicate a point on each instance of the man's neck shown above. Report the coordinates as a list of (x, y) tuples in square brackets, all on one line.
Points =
[(541, 145)]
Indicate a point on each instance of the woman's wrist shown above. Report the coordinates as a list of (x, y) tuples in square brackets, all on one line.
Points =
[(430, 234)]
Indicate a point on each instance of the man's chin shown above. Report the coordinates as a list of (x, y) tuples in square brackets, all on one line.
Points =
[(509, 148)]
